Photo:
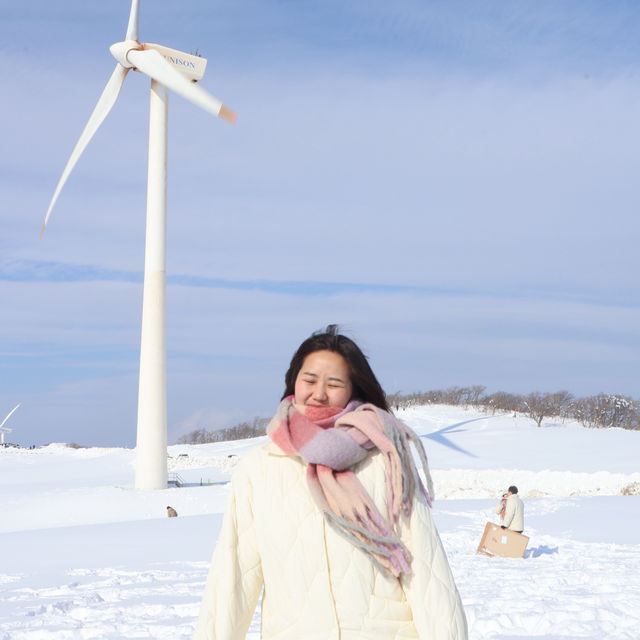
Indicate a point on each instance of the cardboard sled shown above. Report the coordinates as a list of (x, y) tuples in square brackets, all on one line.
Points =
[(497, 541)]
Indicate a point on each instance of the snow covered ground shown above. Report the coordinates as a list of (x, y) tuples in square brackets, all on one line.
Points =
[(83, 555)]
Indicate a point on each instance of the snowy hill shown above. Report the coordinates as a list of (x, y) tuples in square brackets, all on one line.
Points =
[(86, 556)]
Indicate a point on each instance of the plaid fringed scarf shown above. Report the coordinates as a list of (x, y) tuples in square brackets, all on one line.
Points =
[(330, 454)]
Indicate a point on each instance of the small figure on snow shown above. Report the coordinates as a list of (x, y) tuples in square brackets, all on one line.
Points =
[(171, 512), (511, 510)]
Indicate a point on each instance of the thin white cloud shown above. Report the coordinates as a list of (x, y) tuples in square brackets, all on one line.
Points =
[(485, 150)]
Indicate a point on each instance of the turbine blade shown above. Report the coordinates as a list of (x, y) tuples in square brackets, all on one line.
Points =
[(100, 112), (132, 27), (9, 414), (151, 63)]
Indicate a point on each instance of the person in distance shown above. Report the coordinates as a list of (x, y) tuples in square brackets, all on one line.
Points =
[(513, 515)]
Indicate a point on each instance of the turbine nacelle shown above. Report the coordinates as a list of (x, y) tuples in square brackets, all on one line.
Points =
[(193, 67)]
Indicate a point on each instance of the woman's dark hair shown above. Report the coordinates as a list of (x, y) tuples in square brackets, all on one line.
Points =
[(365, 384)]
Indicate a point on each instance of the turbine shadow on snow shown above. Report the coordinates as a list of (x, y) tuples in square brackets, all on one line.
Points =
[(536, 552), (440, 437)]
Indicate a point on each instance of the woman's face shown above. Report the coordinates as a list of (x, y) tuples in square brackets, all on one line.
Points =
[(323, 380)]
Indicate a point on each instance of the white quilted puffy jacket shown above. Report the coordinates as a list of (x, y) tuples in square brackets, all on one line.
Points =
[(317, 585)]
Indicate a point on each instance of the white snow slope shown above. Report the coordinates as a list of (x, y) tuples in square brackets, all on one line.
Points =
[(83, 555)]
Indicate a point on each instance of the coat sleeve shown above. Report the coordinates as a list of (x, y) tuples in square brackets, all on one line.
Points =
[(235, 577), (430, 589)]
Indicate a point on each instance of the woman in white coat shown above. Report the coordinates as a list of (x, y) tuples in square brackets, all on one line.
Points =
[(330, 520)]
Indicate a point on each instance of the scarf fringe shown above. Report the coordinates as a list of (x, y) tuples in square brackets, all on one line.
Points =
[(394, 560)]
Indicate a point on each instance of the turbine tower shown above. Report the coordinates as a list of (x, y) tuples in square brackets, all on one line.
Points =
[(178, 71), (4, 429)]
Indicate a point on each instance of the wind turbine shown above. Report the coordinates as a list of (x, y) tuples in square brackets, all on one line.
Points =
[(178, 71), (4, 429)]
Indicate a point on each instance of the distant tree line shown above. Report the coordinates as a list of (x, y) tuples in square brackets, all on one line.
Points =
[(594, 412), (241, 431)]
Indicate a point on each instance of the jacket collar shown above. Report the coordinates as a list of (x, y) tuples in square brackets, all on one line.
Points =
[(273, 449)]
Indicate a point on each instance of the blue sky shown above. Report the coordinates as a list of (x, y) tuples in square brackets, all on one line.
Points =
[(453, 182)]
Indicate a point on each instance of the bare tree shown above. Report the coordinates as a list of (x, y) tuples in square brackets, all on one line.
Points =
[(474, 394), (502, 401), (606, 410), (539, 406)]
